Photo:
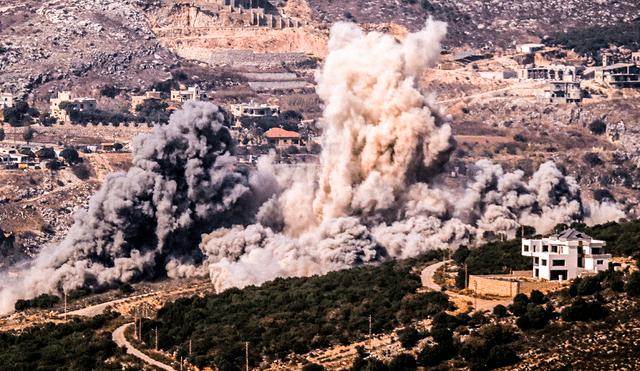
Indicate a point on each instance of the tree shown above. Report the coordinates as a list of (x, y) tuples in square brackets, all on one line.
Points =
[(46, 153), (592, 159), (1, 134), (598, 127), (70, 155), (28, 135), (403, 362)]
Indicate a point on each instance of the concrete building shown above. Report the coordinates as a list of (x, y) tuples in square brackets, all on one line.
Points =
[(562, 92), (6, 100), (282, 138), (619, 75), (192, 93), (253, 109), (498, 75), (566, 255), (529, 48), (137, 100), (553, 72), (76, 104)]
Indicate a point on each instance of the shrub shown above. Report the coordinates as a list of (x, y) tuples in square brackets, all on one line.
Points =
[(500, 311), (589, 286), (434, 355), (603, 195), (45, 301), (403, 362), (582, 310), (535, 317), (537, 297), (598, 127), (500, 356), (409, 337), (126, 289), (633, 285), (520, 138), (461, 254), (70, 155), (592, 159), (573, 289), (22, 304), (313, 367)]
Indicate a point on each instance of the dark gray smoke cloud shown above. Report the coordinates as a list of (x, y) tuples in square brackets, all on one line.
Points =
[(183, 183)]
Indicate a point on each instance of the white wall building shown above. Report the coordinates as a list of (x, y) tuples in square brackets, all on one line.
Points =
[(566, 255), (192, 93), (6, 100)]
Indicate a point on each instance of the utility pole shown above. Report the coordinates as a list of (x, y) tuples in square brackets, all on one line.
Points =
[(189, 346), (247, 347), (466, 277), (65, 305), (135, 322), (369, 326), (156, 338), (475, 296)]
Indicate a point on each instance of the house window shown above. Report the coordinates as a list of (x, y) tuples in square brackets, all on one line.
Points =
[(545, 248), (544, 262), (536, 261), (554, 248), (525, 248), (599, 262), (558, 263)]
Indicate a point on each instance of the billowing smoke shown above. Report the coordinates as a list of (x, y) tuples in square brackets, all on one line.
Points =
[(187, 208), (183, 183)]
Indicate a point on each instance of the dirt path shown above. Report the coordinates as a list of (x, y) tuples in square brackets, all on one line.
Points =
[(118, 338)]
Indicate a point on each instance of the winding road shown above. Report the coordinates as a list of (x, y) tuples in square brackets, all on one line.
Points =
[(118, 338)]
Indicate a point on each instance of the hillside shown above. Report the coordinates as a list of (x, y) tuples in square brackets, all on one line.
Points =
[(483, 23)]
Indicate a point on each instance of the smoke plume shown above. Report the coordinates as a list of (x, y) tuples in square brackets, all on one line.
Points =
[(187, 208)]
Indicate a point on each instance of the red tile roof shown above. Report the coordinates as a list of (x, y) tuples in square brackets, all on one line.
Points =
[(281, 133)]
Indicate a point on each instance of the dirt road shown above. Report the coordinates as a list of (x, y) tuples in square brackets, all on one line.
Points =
[(118, 338)]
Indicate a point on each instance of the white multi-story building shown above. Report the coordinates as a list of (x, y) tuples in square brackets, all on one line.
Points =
[(192, 93), (566, 255)]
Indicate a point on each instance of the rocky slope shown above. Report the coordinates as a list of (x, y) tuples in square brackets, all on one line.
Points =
[(483, 23), (53, 45)]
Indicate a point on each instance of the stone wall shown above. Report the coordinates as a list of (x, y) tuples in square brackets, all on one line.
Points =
[(240, 58), (508, 285), (491, 285)]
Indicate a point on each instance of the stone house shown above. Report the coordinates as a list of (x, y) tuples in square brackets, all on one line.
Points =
[(76, 104), (192, 93), (253, 109), (562, 92), (137, 100), (566, 255), (282, 138)]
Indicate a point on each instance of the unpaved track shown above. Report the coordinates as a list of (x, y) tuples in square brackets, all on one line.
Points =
[(118, 338)]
